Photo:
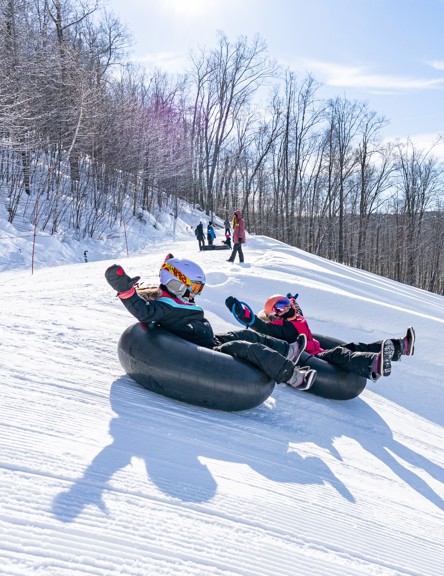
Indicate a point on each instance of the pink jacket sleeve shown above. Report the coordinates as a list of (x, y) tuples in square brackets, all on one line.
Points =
[(239, 233)]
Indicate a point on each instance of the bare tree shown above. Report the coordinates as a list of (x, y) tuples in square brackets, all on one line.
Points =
[(227, 77), (419, 179), (345, 122), (374, 169)]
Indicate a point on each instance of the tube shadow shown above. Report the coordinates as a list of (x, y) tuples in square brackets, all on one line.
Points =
[(172, 458), (355, 419)]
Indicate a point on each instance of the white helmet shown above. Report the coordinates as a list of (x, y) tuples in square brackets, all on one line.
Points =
[(180, 275)]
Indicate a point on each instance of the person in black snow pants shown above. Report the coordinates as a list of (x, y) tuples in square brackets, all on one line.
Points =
[(199, 231), (211, 234), (282, 318), (172, 306), (239, 236), (227, 240)]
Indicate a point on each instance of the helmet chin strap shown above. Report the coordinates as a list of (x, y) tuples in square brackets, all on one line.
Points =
[(188, 296)]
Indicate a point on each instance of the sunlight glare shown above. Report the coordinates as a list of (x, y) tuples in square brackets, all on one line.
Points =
[(188, 8)]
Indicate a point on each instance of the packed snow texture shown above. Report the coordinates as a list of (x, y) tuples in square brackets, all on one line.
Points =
[(101, 477)]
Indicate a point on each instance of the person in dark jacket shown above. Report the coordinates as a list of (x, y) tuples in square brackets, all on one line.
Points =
[(172, 307), (199, 231), (227, 240), (282, 318), (239, 236), (211, 234)]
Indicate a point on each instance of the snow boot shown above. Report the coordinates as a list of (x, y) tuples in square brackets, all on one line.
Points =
[(382, 363), (296, 348), (404, 346), (302, 378)]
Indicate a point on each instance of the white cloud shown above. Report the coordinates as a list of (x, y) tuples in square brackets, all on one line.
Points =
[(437, 64), (189, 8), (339, 75), (170, 62), (430, 142)]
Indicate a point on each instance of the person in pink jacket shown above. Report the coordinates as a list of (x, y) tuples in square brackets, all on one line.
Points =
[(239, 236), (282, 318)]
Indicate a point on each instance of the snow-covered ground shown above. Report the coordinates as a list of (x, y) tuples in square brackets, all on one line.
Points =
[(101, 477)]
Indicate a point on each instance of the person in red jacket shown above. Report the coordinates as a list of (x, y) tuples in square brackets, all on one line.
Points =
[(239, 236), (172, 306), (282, 318)]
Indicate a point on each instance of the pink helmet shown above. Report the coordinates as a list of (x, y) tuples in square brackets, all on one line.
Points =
[(273, 302)]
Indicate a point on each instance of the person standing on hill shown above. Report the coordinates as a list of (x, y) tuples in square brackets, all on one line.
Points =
[(200, 235), (239, 236), (211, 234)]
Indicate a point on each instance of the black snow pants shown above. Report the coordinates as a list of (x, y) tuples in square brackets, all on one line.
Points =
[(265, 352), (355, 357), (237, 249)]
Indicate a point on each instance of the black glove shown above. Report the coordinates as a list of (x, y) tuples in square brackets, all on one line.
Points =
[(118, 279), (293, 298), (235, 307)]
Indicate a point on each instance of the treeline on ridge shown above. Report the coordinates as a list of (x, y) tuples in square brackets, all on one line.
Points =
[(93, 141)]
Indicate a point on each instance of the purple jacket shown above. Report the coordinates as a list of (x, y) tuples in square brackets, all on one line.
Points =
[(239, 235)]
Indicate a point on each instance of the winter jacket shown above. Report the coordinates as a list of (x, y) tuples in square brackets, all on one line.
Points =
[(210, 232), (287, 330), (199, 232), (239, 234), (184, 319)]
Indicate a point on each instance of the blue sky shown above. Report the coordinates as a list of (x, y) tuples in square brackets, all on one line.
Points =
[(389, 53)]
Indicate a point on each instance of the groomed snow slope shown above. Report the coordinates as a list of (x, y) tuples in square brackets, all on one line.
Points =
[(100, 477)]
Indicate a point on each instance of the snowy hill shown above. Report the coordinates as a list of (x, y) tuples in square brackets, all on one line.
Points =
[(100, 477)]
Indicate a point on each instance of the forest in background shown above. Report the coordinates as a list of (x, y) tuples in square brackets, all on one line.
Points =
[(88, 141)]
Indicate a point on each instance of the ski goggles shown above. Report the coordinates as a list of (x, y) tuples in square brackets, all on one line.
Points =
[(196, 287), (280, 305)]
